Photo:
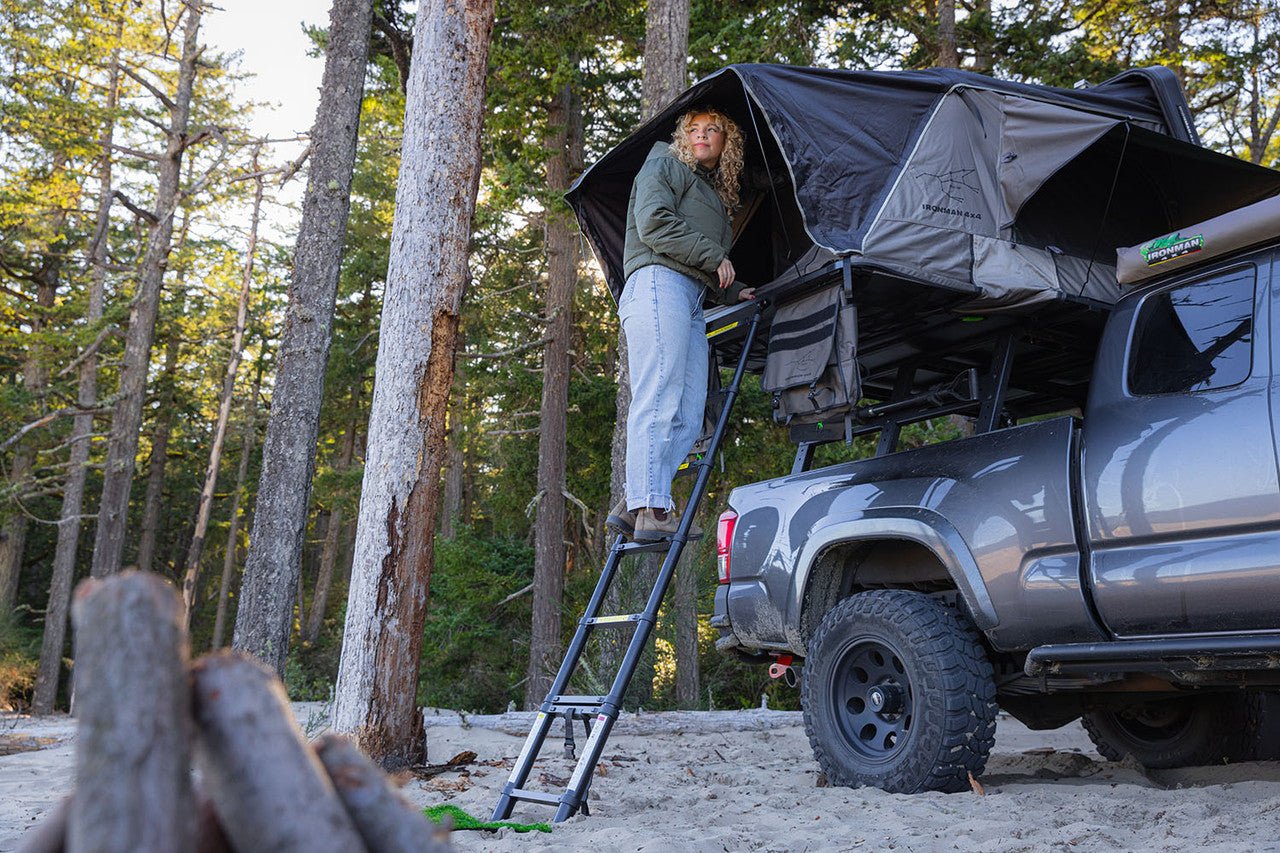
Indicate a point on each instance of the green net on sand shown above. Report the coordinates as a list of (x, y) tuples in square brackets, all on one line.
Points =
[(462, 820)]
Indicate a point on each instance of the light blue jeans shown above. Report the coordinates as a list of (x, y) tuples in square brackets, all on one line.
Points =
[(661, 314)]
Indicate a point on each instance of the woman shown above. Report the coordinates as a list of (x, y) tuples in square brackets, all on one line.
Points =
[(679, 232)]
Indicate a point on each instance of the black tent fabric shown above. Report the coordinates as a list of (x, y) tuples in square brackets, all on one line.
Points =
[(859, 164)]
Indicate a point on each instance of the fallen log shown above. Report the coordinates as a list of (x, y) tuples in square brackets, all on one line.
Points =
[(387, 822), (269, 789), (133, 700), (649, 723)]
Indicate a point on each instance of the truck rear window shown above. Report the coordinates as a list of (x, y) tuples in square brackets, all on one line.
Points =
[(1195, 337)]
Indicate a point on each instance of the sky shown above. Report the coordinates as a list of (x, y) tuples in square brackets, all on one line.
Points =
[(268, 35), (269, 43)]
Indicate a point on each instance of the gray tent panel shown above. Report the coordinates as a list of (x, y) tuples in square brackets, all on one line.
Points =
[(949, 216), (1238, 229), (1037, 140), (1011, 275)]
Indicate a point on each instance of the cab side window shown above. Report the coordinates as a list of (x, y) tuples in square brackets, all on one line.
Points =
[(1195, 337)]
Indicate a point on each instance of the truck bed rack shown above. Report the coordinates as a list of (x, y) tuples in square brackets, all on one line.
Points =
[(927, 351)]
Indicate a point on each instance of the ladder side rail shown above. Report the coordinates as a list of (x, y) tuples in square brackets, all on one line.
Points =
[(612, 705), (542, 722), (579, 642)]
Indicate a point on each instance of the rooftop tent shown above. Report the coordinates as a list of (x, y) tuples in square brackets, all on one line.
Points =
[(1011, 193)]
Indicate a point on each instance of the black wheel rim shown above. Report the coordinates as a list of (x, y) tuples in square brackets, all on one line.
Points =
[(1156, 723), (872, 701)]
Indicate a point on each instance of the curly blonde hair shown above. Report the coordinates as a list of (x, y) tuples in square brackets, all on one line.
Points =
[(728, 172)]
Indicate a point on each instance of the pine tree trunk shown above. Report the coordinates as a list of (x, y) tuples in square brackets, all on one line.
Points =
[(329, 554), (455, 465), (224, 408), (948, 54), (265, 615), (666, 52), (685, 611), (435, 200), (983, 56), (233, 529), (54, 638), (154, 498), (126, 414), (562, 275), (35, 378)]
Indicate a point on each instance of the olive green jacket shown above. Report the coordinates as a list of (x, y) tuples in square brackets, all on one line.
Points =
[(676, 219)]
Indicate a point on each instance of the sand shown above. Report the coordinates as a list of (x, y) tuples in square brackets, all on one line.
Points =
[(708, 790)]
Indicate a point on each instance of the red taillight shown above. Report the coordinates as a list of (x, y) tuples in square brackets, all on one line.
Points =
[(724, 542)]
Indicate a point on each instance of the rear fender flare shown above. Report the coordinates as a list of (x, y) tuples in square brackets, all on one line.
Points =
[(916, 524)]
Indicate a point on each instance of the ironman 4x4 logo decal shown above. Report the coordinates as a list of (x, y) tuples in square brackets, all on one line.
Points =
[(1174, 246)]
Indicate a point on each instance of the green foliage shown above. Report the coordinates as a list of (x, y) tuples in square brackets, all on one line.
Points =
[(475, 647), (19, 657)]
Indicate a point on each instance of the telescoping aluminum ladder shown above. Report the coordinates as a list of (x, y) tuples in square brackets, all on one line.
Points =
[(603, 710)]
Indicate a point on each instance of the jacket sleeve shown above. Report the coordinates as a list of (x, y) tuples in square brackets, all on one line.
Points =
[(730, 295), (658, 225)]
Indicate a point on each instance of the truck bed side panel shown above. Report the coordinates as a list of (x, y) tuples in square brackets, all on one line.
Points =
[(995, 508)]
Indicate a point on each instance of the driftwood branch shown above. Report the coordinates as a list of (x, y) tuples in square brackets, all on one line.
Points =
[(133, 701), (268, 787), (386, 821), (666, 722)]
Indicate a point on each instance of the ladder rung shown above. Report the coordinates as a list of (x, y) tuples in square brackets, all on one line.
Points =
[(623, 619), (645, 547), (535, 796), (578, 701)]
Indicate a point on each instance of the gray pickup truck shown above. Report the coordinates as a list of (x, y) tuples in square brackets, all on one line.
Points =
[(1106, 544), (1119, 563)]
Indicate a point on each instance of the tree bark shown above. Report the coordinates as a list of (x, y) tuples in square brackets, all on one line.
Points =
[(133, 701), (265, 614), (205, 506), (562, 278), (948, 54), (666, 53), (64, 556), (233, 530), (329, 553), (154, 499), (126, 414), (435, 199), (268, 788)]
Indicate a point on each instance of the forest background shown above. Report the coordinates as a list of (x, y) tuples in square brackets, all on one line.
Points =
[(94, 162)]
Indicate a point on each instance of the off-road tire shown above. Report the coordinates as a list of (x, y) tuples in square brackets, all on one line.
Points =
[(947, 723), (1183, 731)]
